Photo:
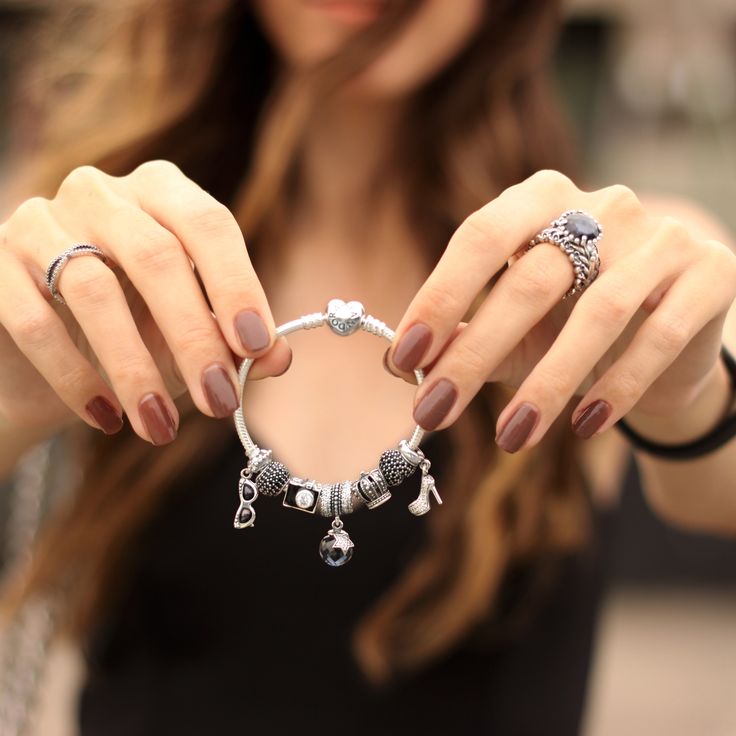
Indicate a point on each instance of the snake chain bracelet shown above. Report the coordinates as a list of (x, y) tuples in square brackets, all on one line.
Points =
[(263, 475)]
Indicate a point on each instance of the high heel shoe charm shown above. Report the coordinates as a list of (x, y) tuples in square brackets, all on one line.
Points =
[(420, 505)]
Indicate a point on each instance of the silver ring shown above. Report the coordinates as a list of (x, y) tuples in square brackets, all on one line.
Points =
[(57, 264), (577, 233)]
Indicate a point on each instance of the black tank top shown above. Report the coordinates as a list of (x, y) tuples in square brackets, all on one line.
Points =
[(223, 631)]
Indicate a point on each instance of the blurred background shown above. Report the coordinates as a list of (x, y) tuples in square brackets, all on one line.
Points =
[(650, 88)]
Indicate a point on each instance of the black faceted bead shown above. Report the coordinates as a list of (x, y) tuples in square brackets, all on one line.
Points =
[(395, 467), (272, 479), (333, 556), (581, 225)]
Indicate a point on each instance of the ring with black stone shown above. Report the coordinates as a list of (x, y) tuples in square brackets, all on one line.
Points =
[(577, 233)]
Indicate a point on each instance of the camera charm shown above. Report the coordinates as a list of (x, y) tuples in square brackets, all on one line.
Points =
[(265, 476)]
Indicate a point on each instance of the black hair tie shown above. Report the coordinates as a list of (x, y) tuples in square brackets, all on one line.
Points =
[(714, 439)]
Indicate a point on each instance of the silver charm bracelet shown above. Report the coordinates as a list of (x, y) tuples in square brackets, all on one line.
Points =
[(265, 476)]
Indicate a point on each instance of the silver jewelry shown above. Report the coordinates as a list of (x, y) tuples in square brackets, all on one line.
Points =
[(57, 264), (577, 233), (263, 475)]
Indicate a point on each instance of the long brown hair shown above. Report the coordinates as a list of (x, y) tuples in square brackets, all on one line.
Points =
[(133, 86)]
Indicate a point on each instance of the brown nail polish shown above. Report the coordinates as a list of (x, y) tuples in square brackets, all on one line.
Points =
[(412, 346), (591, 418), (157, 420), (252, 330), (104, 414), (435, 404), (219, 390), (288, 365), (518, 428), (386, 365)]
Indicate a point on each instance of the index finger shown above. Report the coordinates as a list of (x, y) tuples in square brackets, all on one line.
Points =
[(213, 240), (481, 246)]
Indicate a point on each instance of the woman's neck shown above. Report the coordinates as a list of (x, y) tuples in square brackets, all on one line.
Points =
[(350, 187)]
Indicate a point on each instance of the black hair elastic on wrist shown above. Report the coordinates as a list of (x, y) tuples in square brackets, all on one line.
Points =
[(714, 439)]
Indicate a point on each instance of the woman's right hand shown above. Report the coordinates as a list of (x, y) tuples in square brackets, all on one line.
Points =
[(132, 337)]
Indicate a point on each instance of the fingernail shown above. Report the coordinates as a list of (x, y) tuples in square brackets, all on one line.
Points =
[(412, 346), (435, 404), (386, 365), (104, 414), (518, 428), (251, 330), (219, 390), (288, 365), (157, 420), (591, 418)]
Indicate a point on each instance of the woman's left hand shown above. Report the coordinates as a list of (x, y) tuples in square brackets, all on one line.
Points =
[(646, 332)]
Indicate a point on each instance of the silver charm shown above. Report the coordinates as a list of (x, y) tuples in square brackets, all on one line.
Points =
[(336, 547), (302, 495), (373, 488), (245, 516), (342, 318), (420, 505)]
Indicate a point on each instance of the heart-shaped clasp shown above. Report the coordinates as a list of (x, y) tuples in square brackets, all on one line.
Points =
[(344, 318)]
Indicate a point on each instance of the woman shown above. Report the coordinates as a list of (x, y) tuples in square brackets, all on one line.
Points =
[(398, 153)]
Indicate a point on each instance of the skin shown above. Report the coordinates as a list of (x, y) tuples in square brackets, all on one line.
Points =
[(644, 336)]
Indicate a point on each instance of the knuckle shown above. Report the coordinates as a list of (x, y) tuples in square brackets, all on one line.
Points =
[(71, 382), (611, 308), (530, 283), (621, 198), (443, 302), (156, 251), (81, 179), (89, 284), (724, 258), (30, 211), (550, 180), (32, 329), (551, 386), (157, 168), (196, 338), (627, 387), (669, 333), (472, 358), (670, 230), (213, 217)]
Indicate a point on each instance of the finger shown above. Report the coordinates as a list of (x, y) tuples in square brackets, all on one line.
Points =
[(678, 323), (43, 338), (597, 321), (522, 296), (156, 264), (477, 250), (213, 240), (410, 377), (95, 297)]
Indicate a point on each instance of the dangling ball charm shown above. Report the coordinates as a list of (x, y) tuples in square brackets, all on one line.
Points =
[(336, 547)]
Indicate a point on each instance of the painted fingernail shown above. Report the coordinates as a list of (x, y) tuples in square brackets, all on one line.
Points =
[(157, 420), (288, 365), (591, 418), (518, 428), (104, 414), (219, 390), (435, 404), (412, 346), (252, 330), (386, 365)]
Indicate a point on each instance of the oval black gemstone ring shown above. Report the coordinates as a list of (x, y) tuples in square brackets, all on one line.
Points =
[(577, 233), (265, 476)]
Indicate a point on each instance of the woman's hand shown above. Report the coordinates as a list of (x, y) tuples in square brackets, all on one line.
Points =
[(132, 337), (646, 332)]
